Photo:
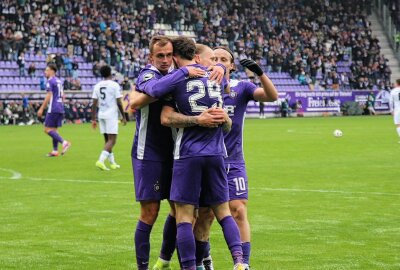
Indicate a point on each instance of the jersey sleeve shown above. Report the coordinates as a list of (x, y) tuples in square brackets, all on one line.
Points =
[(48, 86), (145, 79), (118, 91), (95, 94), (249, 89), (166, 84)]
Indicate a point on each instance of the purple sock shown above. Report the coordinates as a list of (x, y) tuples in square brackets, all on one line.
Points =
[(200, 251), (55, 145), (169, 239), (246, 252), (232, 238), (56, 136), (186, 245), (142, 244), (207, 250)]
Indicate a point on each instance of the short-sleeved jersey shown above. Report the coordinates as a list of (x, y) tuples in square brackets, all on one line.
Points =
[(235, 104), (55, 86), (192, 96), (395, 99), (107, 92), (152, 140)]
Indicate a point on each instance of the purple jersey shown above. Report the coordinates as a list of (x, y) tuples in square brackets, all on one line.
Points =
[(192, 96), (55, 86), (152, 141), (235, 104)]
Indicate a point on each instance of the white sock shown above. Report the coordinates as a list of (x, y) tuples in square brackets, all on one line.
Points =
[(103, 156), (398, 131), (111, 158)]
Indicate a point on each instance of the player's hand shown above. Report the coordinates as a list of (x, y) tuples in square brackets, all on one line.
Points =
[(217, 73), (94, 124), (252, 66), (40, 113), (219, 112), (124, 121), (210, 118), (195, 72)]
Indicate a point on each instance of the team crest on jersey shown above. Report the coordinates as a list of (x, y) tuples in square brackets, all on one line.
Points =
[(157, 187), (148, 76), (233, 94)]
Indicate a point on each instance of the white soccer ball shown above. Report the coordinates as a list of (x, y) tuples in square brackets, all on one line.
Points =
[(337, 133)]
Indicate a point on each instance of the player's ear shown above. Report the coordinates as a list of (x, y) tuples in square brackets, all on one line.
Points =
[(233, 67), (197, 58), (175, 62)]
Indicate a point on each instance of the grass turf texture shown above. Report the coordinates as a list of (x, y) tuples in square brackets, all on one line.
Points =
[(316, 201)]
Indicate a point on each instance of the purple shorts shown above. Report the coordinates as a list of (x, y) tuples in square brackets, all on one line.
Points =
[(199, 180), (152, 179), (53, 120), (237, 180)]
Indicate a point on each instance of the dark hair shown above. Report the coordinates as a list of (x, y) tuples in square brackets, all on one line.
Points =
[(52, 66), (159, 40), (105, 71), (184, 47), (398, 81), (228, 50)]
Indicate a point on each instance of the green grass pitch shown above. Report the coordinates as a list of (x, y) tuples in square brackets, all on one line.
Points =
[(316, 201)]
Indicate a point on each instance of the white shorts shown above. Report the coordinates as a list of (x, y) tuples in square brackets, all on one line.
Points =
[(108, 126)]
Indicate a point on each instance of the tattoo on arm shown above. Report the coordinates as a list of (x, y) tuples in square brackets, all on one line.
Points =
[(178, 120)]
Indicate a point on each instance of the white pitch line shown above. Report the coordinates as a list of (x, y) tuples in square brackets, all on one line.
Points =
[(327, 191), (263, 189), (15, 175), (75, 180)]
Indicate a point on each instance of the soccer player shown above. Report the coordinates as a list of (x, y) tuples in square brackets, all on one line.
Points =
[(235, 103), (109, 94), (202, 150), (395, 105), (152, 153), (55, 111)]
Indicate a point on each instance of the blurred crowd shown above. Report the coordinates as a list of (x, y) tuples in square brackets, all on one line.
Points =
[(306, 38), (24, 112)]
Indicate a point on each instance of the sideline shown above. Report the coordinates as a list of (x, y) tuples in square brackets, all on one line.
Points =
[(17, 175)]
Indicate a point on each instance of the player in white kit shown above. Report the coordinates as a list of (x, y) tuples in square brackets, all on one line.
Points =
[(395, 105), (107, 96)]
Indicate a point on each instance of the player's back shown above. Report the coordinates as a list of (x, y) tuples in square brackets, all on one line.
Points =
[(56, 103), (192, 96), (107, 92)]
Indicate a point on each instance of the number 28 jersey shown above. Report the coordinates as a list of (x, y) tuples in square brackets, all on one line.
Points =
[(192, 96), (107, 92)]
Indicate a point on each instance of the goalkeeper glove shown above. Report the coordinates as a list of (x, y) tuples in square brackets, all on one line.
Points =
[(252, 66)]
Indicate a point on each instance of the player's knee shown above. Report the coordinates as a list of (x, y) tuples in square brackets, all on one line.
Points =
[(239, 211), (149, 213)]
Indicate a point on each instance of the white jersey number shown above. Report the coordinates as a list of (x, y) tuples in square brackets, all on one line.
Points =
[(214, 91)]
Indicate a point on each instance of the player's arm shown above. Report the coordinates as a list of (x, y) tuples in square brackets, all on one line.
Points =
[(138, 100), (171, 118), (94, 112), (166, 84), (268, 91), (121, 110), (44, 104)]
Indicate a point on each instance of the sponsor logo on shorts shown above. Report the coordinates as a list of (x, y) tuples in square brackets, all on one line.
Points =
[(240, 193), (157, 187)]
